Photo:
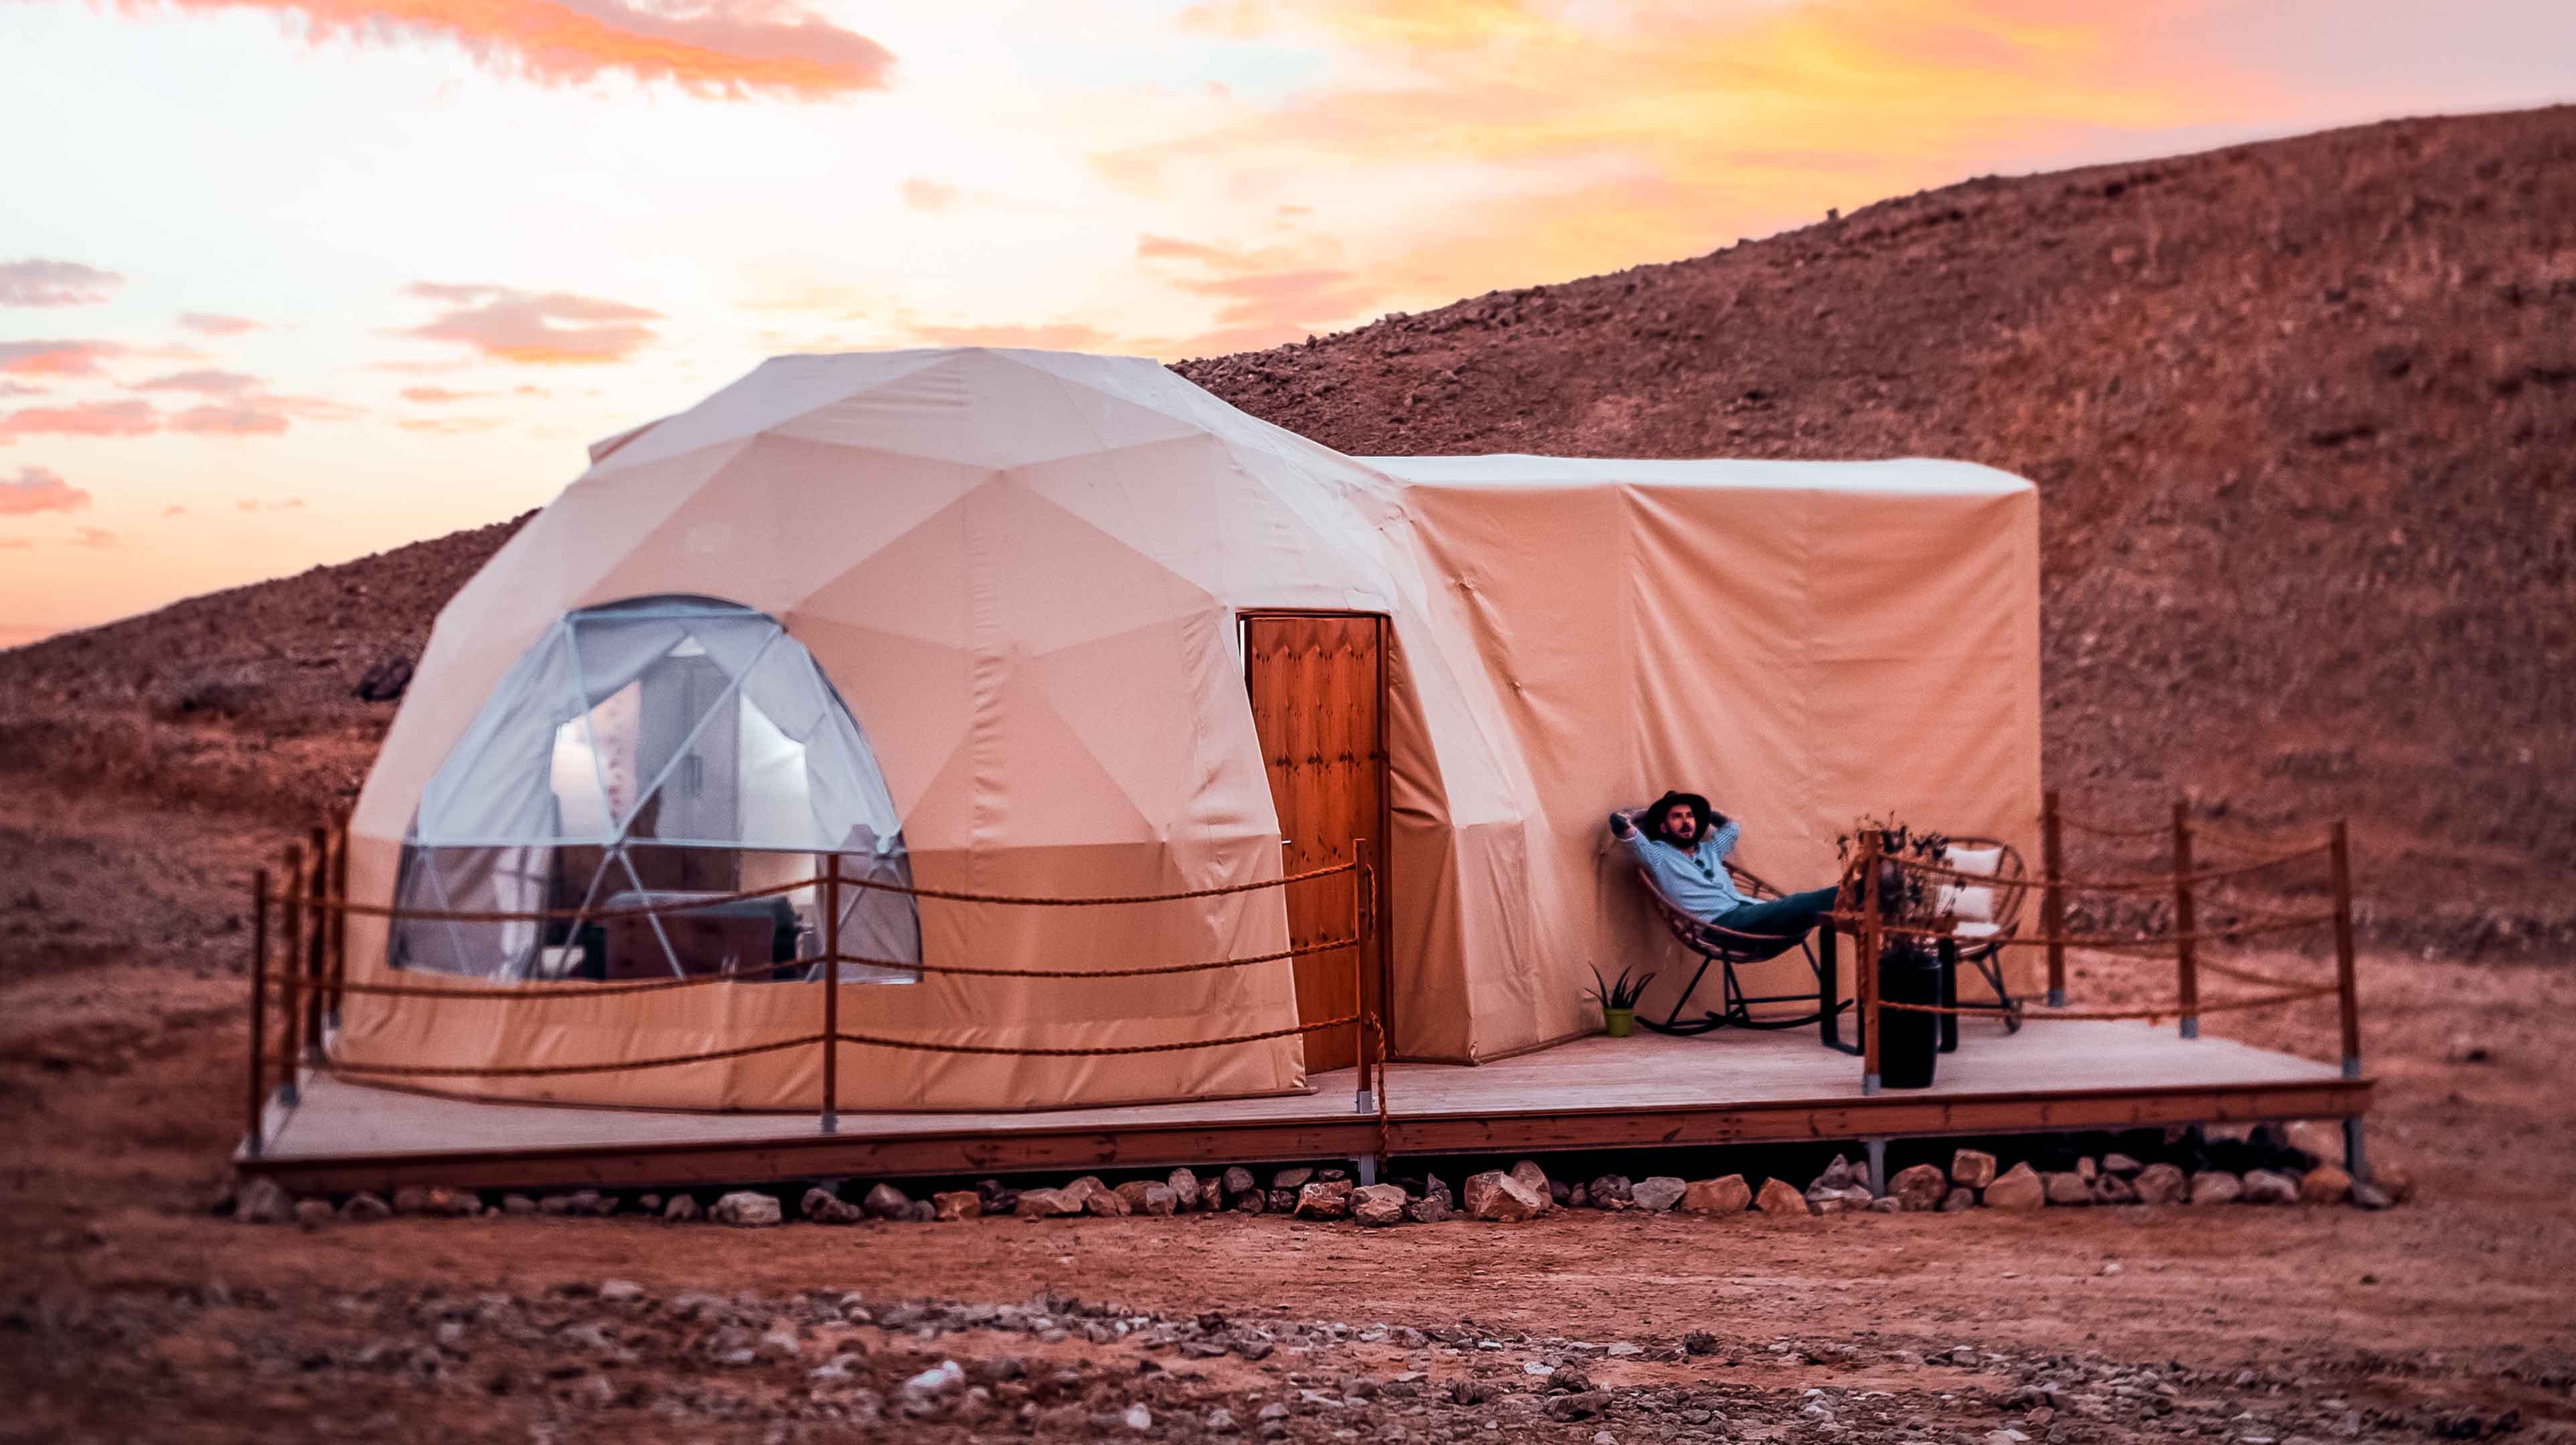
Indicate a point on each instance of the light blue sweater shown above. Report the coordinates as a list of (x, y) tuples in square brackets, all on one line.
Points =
[(1697, 880)]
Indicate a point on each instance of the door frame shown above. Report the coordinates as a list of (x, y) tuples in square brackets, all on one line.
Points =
[(1384, 879)]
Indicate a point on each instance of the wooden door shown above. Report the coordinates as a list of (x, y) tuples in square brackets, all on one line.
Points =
[(1318, 684)]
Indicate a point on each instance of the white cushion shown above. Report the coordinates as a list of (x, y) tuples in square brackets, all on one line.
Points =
[(1969, 905), (1981, 861), (1976, 930)]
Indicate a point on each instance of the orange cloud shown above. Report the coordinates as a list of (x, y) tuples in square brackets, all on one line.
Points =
[(55, 358), (921, 193), (724, 48), (435, 395), (550, 328), (39, 282), (35, 490), (448, 425), (1264, 294), (84, 419), (209, 323)]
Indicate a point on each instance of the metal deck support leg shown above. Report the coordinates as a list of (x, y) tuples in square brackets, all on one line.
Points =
[(1368, 1170), (1367, 1101), (2191, 1028), (1868, 1084), (2356, 1162), (2057, 998), (1877, 1167)]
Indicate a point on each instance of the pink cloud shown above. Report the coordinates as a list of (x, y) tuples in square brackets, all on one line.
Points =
[(13, 544), (549, 328), (86, 419), (436, 395), (253, 504), (94, 537), (35, 490), (55, 358), (448, 425), (1056, 336), (210, 323), (37, 282), (725, 48), (204, 383), (174, 511), (230, 419)]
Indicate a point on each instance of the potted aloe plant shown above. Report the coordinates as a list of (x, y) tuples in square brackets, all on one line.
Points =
[(1619, 1002)]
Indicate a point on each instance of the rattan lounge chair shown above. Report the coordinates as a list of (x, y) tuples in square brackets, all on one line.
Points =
[(1727, 948)]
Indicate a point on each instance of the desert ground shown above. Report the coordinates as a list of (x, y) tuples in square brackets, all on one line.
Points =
[(134, 1310)]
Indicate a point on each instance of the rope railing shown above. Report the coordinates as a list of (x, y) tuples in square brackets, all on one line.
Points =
[(313, 980), (1862, 915)]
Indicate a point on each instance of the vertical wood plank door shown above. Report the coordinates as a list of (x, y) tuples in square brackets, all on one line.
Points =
[(1317, 685)]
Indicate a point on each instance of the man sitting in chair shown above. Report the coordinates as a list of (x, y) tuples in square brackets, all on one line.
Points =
[(1678, 849)]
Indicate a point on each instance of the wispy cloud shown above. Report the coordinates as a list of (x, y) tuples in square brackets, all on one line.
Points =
[(537, 328), (128, 418), (95, 537), (39, 282), (921, 193), (439, 395), (204, 383), (1061, 336), (1264, 294), (34, 489), (211, 323), (55, 358), (448, 425), (722, 48), (254, 504)]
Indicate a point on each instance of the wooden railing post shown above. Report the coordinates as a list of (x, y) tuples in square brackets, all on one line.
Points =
[(1367, 1101), (2347, 995), (340, 920), (258, 1009), (2186, 958), (289, 974), (832, 993), (2052, 897), (1872, 938), (317, 950)]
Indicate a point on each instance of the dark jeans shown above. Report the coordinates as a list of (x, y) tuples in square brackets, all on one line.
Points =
[(1788, 917)]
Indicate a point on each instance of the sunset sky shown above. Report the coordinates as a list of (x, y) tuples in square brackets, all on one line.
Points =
[(287, 281)]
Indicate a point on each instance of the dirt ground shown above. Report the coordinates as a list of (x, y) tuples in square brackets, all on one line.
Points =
[(129, 1310)]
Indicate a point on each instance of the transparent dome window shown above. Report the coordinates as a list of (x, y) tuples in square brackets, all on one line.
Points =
[(669, 752)]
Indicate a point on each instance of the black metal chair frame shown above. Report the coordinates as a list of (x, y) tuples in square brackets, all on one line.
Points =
[(1726, 947)]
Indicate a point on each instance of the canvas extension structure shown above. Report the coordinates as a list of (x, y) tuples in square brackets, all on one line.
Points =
[(1033, 623)]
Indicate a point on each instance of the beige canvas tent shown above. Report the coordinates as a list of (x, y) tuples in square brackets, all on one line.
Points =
[(1033, 623)]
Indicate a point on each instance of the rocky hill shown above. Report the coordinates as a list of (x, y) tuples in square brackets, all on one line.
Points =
[(2303, 414)]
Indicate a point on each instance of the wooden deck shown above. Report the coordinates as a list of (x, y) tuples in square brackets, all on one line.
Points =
[(1592, 1093)]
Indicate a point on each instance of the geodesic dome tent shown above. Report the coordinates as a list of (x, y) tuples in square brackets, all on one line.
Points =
[(974, 619)]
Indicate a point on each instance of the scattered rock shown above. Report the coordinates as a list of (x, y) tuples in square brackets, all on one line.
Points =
[(2395, 1180), (1783, 1199), (437, 1201), (363, 1208), (2215, 1186), (1284, 1201), (936, 1381), (2269, 1186), (1495, 1195), (1430, 1209), (313, 1213), (1728, 1195), (1960, 1197), (2113, 1189), (1378, 1204), (1658, 1194), (2325, 1184), (385, 680), (1610, 1191), (2067, 1187), (747, 1209), (1146, 1196), (1845, 1199), (1920, 1189), (2120, 1164), (517, 1204), (1138, 1419), (620, 1292), (1292, 1179), (1972, 1168), (1046, 1204), (682, 1208), (1184, 1184), (261, 1201), (1236, 1181), (2161, 1183), (950, 1204), (825, 1207), (1528, 1173), (1325, 1200), (1838, 1175), (2368, 1195), (2019, 1187), (884, 1201), (2320, 1139)]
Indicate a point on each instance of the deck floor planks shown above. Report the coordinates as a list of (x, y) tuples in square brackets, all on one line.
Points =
[(1785, 1080)]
